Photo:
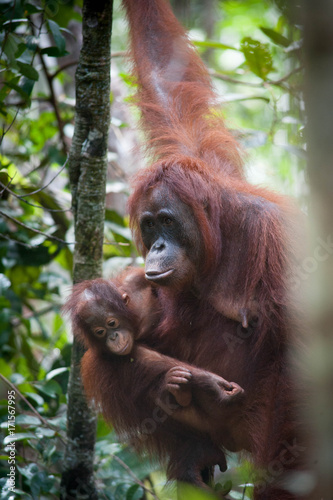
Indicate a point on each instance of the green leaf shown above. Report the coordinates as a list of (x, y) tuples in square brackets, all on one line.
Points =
[(135, 492), (214, 45), (237, 495), (69, 32), (3, 110), (28, 420), (51, 51), (128, 79), (19, 90), (224, 488), (10, 48), (15, 21), (22, 49), (32, 9), (50, 450), (28, 71), (28, 470), (4, 163), (35, 397), (45, 432), (7, 88), (186, 491), (58, 37), (60, 422), (18, 436), (113, 216), (5, 368), (276, 37), (125, 232), (4, 283), (56, 372), (36, 256), (31, 45), (50, 388), (66, 13), (17, 379), (258, 57)]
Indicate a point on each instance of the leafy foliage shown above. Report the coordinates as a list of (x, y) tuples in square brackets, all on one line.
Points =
[(254, 60), (257, 56)]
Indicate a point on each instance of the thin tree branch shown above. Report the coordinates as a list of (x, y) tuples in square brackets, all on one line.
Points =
[(286, 77), (47, 185), (4, 130), (62, 68), (35, 314), (133, 476), (47, 236), (226, 78), (33, 99), (34, 411), (120, 53), (54, 102), (5, 237), (9, 183), (120, 243), (20, 197)]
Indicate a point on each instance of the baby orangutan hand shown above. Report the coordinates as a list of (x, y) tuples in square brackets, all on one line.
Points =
[(177, 382)]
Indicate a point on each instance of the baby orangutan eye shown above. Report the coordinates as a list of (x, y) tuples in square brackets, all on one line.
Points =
[(99, 332), (112, 322)]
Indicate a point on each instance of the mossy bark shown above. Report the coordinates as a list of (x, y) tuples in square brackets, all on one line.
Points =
[(87, 170)]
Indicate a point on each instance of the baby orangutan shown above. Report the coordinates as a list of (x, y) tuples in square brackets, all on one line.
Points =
[(163, 406)]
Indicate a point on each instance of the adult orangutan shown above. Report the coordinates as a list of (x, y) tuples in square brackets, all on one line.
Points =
[(182, 413), (212, 243)]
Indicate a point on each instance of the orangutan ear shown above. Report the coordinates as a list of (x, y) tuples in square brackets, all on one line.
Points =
[(125, 298)]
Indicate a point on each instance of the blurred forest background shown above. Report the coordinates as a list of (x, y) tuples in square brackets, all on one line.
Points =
[(254, 51)]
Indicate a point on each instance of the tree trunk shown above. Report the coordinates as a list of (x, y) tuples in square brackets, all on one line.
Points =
[(319, 102), (87, 170)]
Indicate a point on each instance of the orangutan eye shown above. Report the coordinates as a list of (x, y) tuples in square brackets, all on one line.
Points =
[(167, 221), (113, 322), (99, 332)]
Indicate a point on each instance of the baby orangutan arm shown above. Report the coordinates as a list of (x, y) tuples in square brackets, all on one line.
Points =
[(183, 382), (206, 401)]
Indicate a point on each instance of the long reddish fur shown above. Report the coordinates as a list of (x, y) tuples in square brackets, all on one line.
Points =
[(199, 160), (130, 390)]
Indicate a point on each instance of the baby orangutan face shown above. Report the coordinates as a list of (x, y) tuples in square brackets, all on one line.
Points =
[(116, 338), (105, 330)]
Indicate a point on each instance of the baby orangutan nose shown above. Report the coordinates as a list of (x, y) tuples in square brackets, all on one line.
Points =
[(113, 335), (120, 341)]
